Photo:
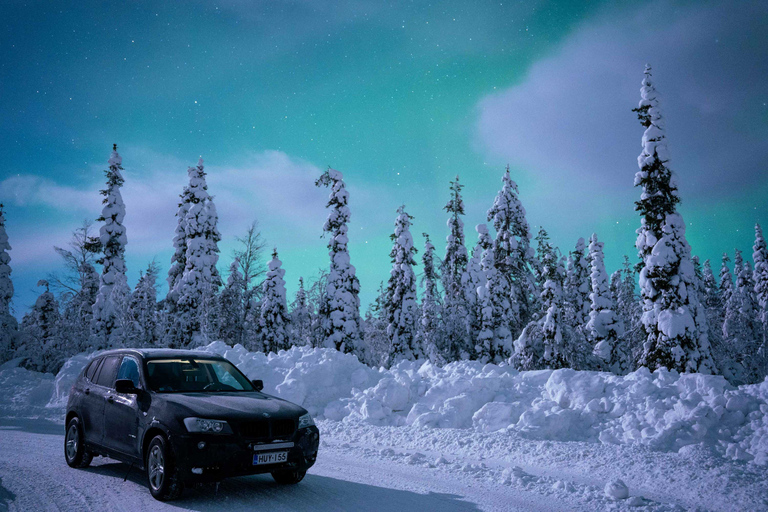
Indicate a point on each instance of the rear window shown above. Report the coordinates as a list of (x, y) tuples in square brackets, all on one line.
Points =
[(108, 371), (91, 370)]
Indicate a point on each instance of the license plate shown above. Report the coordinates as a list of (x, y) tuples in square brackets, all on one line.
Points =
[(269, 458)]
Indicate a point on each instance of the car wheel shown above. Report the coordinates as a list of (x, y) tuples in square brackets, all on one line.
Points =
[(74, 446), (288, 477), (162, 475)]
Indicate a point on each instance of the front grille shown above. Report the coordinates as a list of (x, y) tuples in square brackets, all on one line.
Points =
[(283, 428), (266, 429), (254, 429)]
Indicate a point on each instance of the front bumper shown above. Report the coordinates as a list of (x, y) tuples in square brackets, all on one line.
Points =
[(226, 456)]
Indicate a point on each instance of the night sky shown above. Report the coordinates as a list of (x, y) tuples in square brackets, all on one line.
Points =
[(399, 96)]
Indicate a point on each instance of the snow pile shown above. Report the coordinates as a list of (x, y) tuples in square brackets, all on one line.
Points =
[(663, 410), (24, 393)]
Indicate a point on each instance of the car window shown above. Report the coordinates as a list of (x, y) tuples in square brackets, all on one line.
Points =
[(193, 374), (106, 376), (129, 369), (91, 371)]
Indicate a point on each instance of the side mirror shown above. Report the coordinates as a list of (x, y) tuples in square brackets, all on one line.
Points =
[(258, 384), (125, 386)]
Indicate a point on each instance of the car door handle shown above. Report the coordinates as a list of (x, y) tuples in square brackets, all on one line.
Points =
[(87, 391), (111, 399)]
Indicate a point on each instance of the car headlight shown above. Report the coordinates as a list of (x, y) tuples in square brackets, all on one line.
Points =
[(207, 426), (306, 421)]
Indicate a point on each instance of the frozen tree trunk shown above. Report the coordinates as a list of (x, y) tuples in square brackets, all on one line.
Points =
[(673, 318)]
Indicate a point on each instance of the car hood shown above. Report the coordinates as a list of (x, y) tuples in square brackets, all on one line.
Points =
[(237, 406)]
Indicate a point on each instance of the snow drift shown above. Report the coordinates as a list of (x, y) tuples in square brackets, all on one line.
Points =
[(663, 410)]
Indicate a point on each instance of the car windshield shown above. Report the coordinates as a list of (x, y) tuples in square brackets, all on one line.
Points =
[(195, 375)]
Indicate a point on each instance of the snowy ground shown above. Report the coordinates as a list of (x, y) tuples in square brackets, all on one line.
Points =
[(527, 441)]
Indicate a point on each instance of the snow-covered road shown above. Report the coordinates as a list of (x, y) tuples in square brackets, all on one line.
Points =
[(378, 468)]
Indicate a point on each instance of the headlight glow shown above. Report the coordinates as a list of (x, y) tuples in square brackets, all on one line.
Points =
[(207, 426), (306, 421)]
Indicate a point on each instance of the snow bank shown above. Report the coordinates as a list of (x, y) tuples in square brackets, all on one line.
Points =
[(662, 410)]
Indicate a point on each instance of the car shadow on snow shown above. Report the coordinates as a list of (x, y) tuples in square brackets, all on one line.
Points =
[(32, 426), (313, 493)]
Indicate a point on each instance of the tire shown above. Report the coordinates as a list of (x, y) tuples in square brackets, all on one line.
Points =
[(74, 446), (290, 477), (162, 475)]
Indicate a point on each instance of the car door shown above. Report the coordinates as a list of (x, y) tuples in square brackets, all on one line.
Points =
[(92, 404), (121, 413), (98, 395)]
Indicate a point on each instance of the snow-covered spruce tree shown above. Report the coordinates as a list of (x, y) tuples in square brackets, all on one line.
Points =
[(512, 253), (273, 318), (629, 309), (8, 325), (604, 326), (578, 287), (179, 258), (142, 309), (543, 342), (340, 312), (44, 348), (494, 339), (317, 298), (375, 339), (673, 318), (715, 308), (473, 281), (301, 319), (109, 308), (455, 310), (193, 323), (726, 279), (401, 307), (429, 331), (77, 315), (741, 329), (230, 308), (760, 277)]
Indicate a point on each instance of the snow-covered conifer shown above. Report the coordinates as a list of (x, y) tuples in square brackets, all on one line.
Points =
[(108, 310), (8, 324), (760, 277), (494, 339), (429, 333), (45, 348), (340, 312), (741, 329), (455, 311), (473, 280), (401, 307), (375, 339), (673, 318), (193, 322), (511, 249), (604, 326), (577, 291), (231, 328), (301, 319), (273, 319), (726, 279), (142, 309)]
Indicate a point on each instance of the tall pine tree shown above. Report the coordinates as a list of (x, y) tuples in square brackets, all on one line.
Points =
[(673, 318), (196, 291), (760, 277), (109, 308), (273, 319), (455, 316), (429, 330), (8, 324), (400, 305), (340, 310), (231, 328)]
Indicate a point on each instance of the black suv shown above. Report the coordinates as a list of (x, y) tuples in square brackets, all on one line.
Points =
[(184, 417)]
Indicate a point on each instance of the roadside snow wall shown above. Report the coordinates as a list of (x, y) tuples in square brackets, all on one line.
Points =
[(662, 410)]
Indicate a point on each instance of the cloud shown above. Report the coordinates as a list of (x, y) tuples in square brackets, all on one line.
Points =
[(568, 121)]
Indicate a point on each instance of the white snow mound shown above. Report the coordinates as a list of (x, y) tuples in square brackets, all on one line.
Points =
[(662, 410)]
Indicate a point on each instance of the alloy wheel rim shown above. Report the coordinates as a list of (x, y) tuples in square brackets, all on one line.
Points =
[(156, 465), (71, 442)]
